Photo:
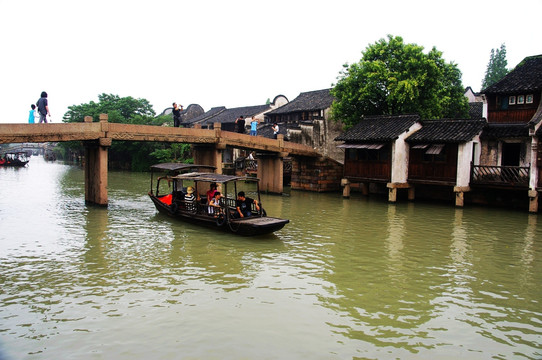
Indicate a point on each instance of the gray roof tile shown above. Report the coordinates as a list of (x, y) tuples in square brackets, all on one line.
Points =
[(499, 131), (447, 131), (307, 101), (526, 77), (379, 128)]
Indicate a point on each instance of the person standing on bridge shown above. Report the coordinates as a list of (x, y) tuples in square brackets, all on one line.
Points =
[(32, 115), (240, 124), (43, 107), (254, 126), (275, 130), (177, 115)]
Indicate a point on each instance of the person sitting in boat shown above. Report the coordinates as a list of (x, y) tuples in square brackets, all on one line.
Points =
[(244, 205), (215, 205), (190, 199), (211, 192)]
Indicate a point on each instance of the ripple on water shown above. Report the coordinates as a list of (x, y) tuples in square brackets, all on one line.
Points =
[(344, 279)]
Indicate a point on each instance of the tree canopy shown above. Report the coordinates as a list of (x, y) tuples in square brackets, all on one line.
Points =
[(127, 110), (120, 110), (394, 78), (496, 68)]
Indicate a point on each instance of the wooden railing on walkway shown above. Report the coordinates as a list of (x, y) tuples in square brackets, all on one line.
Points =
[(516, 176)]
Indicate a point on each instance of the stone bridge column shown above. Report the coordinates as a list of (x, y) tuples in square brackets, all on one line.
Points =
[(96, 157), (270, 172), (209, 154)]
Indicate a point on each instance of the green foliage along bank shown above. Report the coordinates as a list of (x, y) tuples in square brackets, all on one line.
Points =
[(135, 156), (394, 78)]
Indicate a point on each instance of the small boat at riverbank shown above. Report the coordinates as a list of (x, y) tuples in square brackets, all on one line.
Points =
[(15, 159), (169, 198)]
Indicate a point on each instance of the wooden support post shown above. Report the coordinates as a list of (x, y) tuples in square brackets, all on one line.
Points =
[(533, 201), (392, 194), (270, 171), (460, 195), (365, 189), (346, 188), (411, 193), (459, 199)]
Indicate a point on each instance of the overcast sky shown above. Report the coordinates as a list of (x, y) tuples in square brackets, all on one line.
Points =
[(232, 53)]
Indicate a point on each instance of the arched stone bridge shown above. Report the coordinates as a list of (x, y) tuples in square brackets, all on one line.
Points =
[(208, 146)]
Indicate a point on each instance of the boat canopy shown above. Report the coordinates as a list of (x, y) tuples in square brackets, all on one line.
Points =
[(212, 177), (179, 166)]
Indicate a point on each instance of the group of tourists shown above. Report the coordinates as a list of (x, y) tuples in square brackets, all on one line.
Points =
[(240, 122), (240, 126), (39, 110), (215, 202)]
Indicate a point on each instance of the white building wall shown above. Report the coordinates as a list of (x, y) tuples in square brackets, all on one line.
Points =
[(464, 158), (399, 158)]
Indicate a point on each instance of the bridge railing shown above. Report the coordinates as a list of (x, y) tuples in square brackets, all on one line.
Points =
[(36, 133)]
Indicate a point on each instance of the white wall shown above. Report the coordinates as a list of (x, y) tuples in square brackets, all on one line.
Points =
[(464, 157), (399, 159)]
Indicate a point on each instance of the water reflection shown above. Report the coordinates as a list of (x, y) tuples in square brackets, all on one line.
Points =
[(96, 225)]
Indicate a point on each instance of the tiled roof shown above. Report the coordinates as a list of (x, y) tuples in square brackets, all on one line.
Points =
[(307, 101), (223, 115), (213, 112), (266, 130), (527, 76), (476, 110), (499, 131), (379, 128), (537, 117), (447, 131)]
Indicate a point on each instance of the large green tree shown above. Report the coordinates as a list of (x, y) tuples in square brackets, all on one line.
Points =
[(395, 78), (128, 110), (496, 68), (120, 110)]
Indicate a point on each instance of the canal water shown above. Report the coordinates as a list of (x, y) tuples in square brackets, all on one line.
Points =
[(345, 279)]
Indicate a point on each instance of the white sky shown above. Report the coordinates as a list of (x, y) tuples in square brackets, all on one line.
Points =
[(232, 53)]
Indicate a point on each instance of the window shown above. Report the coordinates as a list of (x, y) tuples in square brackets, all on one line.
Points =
[(435, 153), (529, 99), (512, 100), (502, 102), (521, 99)]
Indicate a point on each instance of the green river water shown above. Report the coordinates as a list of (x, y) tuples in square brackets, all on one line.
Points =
[(346, 279)]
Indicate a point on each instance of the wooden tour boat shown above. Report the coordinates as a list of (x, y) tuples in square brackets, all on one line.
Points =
[(17, 159), (169, 198)]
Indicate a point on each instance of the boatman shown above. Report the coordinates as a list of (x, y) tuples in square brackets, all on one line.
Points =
[(244, 205)]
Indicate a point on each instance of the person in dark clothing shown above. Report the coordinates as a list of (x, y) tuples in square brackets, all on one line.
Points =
[(243, 205), (240, 124), (43, 107), (177, 115)]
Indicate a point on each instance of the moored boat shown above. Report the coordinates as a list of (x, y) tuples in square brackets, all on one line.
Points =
[(170, 197)]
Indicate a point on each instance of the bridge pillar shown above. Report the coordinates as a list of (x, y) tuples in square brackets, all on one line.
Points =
[(208, 155), (270, 172), (96, 156)]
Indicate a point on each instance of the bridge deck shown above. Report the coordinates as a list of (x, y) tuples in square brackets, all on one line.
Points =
[(37, 133)]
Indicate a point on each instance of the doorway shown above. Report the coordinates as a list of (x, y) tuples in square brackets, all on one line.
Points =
[(511, 154)]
